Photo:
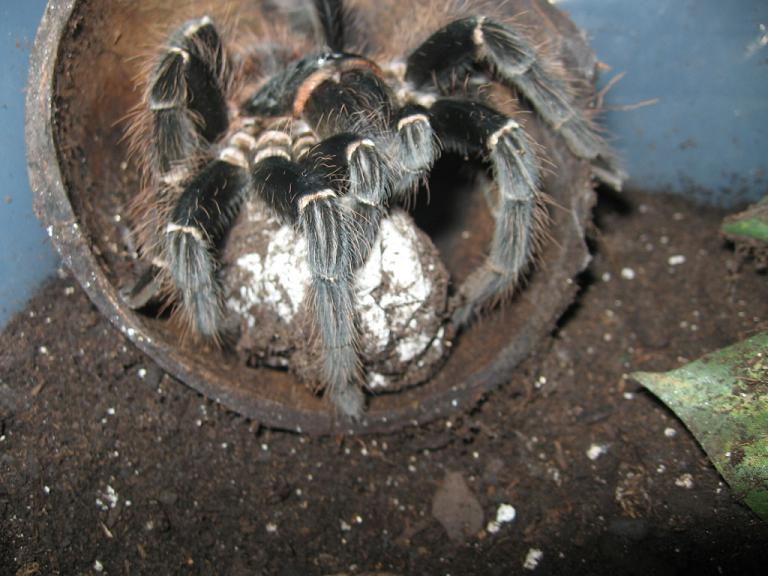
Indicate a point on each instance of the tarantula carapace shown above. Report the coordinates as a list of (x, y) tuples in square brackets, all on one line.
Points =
[(329, 140)]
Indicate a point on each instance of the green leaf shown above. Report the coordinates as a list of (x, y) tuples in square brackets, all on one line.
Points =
[(752, 224), (723, 400)]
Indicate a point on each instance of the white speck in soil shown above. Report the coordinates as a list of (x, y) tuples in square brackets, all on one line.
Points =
[(271, 528), (111, 496), (532, 559), (627, 273), (344, 526), (670, 432), (596, 450), (142, 373), (98, 566), (684, 481), (108, 499), (506, 513), (676, 260)]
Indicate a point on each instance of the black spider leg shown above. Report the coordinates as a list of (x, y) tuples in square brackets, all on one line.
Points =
[(416, 148), (354, 110), (186, 98), (307, 194), (198, 222), (470, 127), (397, 149), (188, 110), (358, 172), (186, 105), (351, 110), (331, 15), (363, 159), (479, 40)]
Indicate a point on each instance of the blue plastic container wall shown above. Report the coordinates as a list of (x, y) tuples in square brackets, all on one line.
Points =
[(701, 69), (26, 257)]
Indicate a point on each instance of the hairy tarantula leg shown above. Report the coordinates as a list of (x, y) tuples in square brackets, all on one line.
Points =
[(205, 75), (471, 127), (186, 97), (331, 16), (361, 174), (301, 195), (146, 288), (329, 254), (514, 61), (417, 149), (355, 111), (200, 218)]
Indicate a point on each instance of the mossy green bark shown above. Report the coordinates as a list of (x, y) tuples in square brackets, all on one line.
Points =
[(723, 400)]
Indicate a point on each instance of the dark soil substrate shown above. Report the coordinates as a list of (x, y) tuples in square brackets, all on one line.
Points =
[(107, 464)]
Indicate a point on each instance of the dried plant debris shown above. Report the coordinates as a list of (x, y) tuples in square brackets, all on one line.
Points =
[(723, 399)]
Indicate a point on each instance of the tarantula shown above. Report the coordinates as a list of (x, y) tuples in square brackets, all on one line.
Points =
[(329, 141)]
